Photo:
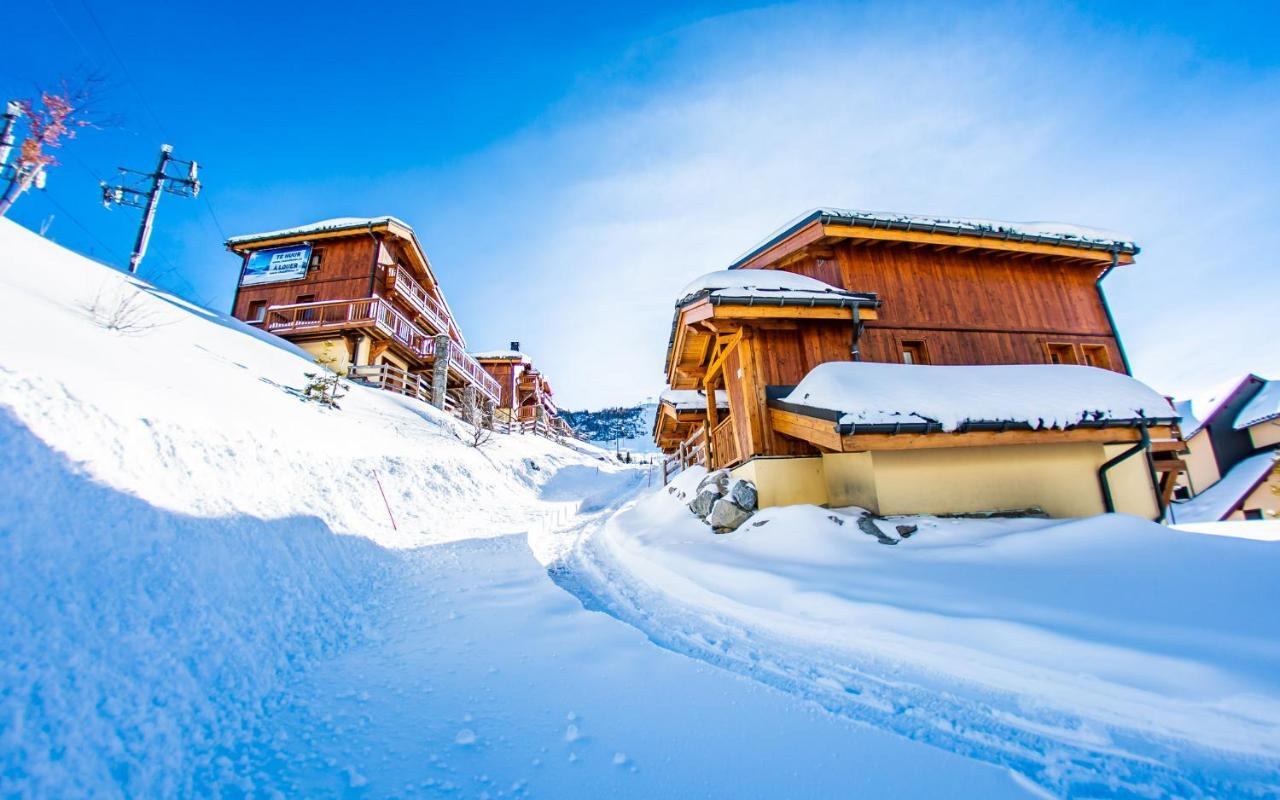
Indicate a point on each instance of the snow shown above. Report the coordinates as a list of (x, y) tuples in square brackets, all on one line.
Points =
[(502, 355), (1201, 410), (762, 283), (1105, 656), (1041, 395), (692, 399), (1264, 406), (1188, 422), (1063, 232), (323, 226), (1258, 530), (1220, 499)]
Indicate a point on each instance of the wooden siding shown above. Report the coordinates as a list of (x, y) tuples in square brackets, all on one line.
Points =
[(343, 274), (975, 307)]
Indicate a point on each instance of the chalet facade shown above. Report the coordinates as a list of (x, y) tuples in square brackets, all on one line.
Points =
[(844, 286), (525, 397), (361, 295), (1233, 446)]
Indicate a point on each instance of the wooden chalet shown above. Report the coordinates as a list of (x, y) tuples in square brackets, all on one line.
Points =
[(854, 286), (361, 294), (680, 423), (525, 398)]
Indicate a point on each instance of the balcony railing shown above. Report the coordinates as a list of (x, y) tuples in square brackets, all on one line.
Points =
[(399, 281), (470, 368), (338, 314), (724, 445), (376, 312)]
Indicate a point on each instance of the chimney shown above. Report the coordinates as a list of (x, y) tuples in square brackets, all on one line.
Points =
[(515, 346)]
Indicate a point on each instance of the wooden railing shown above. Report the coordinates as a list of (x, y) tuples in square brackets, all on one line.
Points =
[(393, 379), (691, 451), (337, 314), (301, 317), (724, 445), (471, 368), (399, 281)]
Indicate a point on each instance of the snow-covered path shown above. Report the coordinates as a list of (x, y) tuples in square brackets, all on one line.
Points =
[(486, 679)]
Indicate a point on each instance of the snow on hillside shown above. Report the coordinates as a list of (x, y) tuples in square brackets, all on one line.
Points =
[(177, 523), (1105, 656)]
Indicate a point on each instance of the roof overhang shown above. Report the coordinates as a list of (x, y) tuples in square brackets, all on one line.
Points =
[(822, 226)]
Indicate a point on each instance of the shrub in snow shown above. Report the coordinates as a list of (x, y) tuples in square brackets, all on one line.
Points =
[(324, 386), (476, 429), (123, 310)]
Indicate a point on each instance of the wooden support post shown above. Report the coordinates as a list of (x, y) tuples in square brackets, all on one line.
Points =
[(440, 373)]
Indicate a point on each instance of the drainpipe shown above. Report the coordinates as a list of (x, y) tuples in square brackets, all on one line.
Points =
[(1108, 501), (1106, 308), (857, 333)]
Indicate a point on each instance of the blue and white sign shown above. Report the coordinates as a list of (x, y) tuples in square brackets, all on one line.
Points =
[(276, 265)]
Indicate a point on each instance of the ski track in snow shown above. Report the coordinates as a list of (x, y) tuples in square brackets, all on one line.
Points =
[(1058, 752)]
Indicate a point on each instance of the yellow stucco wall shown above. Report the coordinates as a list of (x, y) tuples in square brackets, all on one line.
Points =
[(330, 348), (1202, 465), (1265, 434), (1061, 479), (786, 481)]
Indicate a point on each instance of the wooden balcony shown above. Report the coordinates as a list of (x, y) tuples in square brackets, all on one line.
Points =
[(377, 314), (724, 445), (433, 312)]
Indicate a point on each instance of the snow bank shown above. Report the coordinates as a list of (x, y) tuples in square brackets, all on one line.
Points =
[(1104, 656), (1264, 406), (692, 399), (181, 533), (1040, 395), (1220, 499), (761, 283), (1257, 530)]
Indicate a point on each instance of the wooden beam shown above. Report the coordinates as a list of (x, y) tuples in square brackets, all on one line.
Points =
[(807, 429), (981, 243)]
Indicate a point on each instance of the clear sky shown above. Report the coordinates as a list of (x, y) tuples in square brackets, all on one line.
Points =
[(569, 168)]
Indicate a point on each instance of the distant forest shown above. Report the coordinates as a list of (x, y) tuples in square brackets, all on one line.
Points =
[(607, 424)]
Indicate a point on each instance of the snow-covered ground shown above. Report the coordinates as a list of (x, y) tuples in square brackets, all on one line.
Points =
[(1100, 656), (210, 587)]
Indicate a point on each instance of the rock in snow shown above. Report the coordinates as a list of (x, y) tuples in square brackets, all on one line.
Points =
[(727, 516)]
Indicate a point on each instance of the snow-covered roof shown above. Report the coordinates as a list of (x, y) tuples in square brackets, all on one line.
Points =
[(502, 355), (323, 226), (1059, 233), (1264, 406), (1220, 499), (692, 399), (1202, 410), (1037, 395), (766, 284)]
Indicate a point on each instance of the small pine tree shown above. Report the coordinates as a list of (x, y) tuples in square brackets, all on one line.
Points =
[(325, 386)]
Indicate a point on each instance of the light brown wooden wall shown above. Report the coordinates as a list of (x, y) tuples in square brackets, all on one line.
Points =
[(342, 275), (969, 307)]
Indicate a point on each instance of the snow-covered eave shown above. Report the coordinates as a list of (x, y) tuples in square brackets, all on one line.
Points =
[(924, 426), (909, 223), (780, 298), (692, 400), (1263, 407)]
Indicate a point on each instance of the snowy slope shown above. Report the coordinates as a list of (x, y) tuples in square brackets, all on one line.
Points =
[(1099, 657), (176, 523)]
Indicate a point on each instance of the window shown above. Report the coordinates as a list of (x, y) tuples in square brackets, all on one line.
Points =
[(316, 257), (1253, 513), (914, 353), (1096, 355), (1061, 353), (1182, 493), (257, 310), (308, 314)]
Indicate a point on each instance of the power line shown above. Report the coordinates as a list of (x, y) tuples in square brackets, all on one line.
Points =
[(128, 76), (71, 32), (46, 194)]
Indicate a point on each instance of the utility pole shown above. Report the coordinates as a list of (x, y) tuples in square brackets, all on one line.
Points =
[(148, 198), (11, 113)]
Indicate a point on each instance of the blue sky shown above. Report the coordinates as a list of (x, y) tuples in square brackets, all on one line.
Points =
[(568, 169)]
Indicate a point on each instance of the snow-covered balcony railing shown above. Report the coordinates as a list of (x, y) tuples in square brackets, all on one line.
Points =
[(339, 314), (399, 281), (476, 374), (393, 379)]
